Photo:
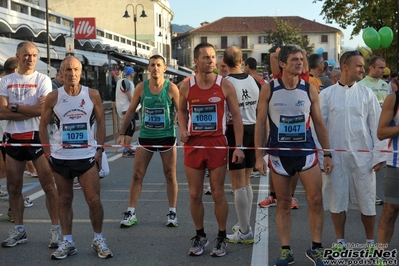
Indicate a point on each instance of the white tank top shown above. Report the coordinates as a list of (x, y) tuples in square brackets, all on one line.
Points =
[(74, 119)]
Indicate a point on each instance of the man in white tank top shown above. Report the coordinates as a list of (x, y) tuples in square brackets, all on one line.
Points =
[(74, 153)]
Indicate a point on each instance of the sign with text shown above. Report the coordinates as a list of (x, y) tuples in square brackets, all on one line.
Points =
[(85, 28), (70, 45)]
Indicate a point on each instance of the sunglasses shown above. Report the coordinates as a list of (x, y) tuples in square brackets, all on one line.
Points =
[(351, 53)]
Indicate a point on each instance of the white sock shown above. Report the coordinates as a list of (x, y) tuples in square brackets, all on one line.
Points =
[(171, 209), (55, 227), (250, 196), (241, 204), (132, 210), (341, 240), (98, 235), (68, 238), (371, 241)]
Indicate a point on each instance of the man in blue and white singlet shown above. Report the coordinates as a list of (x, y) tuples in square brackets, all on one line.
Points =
[(290, 103), (74, 153)]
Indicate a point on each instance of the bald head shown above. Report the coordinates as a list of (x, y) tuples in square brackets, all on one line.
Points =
[(233, 57), (27, 54)]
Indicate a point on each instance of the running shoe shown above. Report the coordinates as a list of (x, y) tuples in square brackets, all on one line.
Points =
[(32, 174), (3, 192), (235, 227), (64, 250), (316, 255), (208, 191), (268, 202), (198, 243), (28, 203), (220, 249), (286, 258), (56, 238), (294, 203), (129, 219), (101, 248), (128, 153), (240, 238), (255, 173), (16, 237), (378, 201), (76, 185), (381, 262), (172, 219), (9, 216)]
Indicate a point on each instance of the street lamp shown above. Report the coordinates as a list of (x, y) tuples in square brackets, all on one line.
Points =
[(143, 15)]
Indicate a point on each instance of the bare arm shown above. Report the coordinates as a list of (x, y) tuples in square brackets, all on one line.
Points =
[(182, 112), (174, 95), (261, 127), (99, 113), (320, 128), (384, 130), (274, 67), (7, 114), (47, 111), (232, 101), (305, 62)]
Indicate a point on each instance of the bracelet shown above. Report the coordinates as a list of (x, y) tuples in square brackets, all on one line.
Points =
[(240, 147), (327, 155), (121, 134)]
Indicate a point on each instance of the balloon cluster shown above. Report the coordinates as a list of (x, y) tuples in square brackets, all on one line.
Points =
[(374, 39)]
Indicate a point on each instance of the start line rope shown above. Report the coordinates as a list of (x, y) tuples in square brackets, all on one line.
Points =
[(196, 147)]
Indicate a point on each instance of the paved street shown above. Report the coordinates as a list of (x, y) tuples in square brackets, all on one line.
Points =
[(150, 242)]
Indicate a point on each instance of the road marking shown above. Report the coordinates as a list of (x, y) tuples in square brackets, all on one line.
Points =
[(113, 158), (260, 250)]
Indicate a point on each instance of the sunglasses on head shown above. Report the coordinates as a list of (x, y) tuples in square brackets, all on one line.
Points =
[(351, 53)]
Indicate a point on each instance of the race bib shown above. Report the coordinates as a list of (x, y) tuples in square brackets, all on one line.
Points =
[(154, 118), (204, 117), (74, 134), (292, 129)]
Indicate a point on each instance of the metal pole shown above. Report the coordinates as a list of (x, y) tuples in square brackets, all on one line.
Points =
[(48, 42), (135, 33)]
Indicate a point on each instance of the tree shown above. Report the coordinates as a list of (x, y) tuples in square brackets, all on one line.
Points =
[(286, 33), (362, 14)]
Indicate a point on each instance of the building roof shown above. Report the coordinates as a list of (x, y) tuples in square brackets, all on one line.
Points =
[(260, 24)]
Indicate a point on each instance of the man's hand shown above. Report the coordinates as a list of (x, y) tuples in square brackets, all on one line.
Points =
[(184, 136), (328, 165), (378, 166)]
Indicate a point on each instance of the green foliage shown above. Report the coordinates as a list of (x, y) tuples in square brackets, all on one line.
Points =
[(287, 34), (362, 14)]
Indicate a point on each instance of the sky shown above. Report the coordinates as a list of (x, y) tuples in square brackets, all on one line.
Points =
[(194, 12)]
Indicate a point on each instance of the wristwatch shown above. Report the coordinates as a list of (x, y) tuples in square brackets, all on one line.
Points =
[(100, 149), (14, 107)]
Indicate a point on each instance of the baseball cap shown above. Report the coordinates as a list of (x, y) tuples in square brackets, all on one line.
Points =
[(128, 71)]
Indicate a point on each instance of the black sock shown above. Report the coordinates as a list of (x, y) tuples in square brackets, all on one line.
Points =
[(286, 247), (273, 194), (292, 195), (201, 232), (316, 245), (222, 234)]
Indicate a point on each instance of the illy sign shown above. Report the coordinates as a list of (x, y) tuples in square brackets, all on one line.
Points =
[(85, 28)]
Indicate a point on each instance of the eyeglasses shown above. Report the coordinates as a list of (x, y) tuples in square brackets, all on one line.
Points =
[(351, 53)]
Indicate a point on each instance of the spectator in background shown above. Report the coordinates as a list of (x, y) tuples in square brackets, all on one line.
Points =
[(324, 76), (393, 83), (316, 65), (58, 81), (123, 96), (250, 68), (335, 75), (221, 66)]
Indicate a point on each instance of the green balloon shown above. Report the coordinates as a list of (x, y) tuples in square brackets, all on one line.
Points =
[(371, 38), (386, 36)]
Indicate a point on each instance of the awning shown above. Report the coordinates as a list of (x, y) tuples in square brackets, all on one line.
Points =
[(186, 69), (145, 62), (8, 49), (54, 54), (94, 59)]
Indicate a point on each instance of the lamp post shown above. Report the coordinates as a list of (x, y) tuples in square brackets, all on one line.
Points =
[(143, 15)]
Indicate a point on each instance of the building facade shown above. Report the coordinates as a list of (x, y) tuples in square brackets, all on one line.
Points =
[(249, 33)]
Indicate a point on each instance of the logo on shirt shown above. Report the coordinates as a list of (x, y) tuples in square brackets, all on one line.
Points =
[(245, 95), (82, 103), (300, 103), (64, 100), (214, 99), (279, 104)]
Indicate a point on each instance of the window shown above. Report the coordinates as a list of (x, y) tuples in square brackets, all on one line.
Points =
[(262, 39), (223, 42), (244, 56), (324, 38), (325, 55), (204, 39), (244, 43), (160, 20)]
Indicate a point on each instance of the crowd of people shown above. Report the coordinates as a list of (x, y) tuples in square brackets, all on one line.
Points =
[(299, 108)]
